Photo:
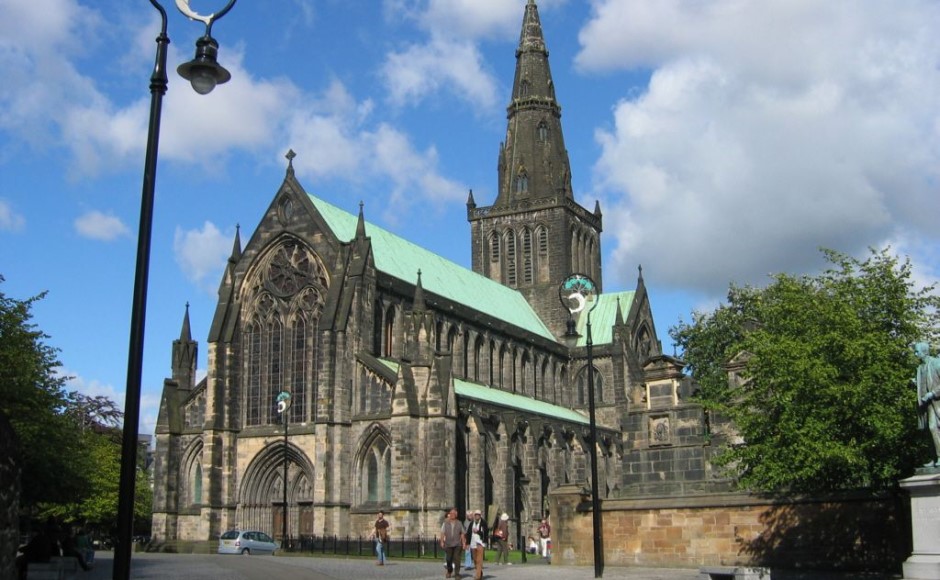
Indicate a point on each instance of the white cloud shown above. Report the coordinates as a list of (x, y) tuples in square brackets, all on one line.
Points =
[(201, 254), (440, 64), (449, 61), (333, 138), (767, 130), (10, 220), (100, 226)]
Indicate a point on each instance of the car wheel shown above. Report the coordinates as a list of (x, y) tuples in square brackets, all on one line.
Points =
[(246, 552)]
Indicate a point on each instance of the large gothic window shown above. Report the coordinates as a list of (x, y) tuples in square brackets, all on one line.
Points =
[(494, 247), (283, 301), (375, 471)]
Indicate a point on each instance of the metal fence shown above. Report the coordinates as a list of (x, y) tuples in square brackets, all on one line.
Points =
[(402, 547)]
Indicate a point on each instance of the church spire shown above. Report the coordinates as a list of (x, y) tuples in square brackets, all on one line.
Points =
[(186, 334), (185, 352), (236, 249), (533, 161), (361, 224), (535, 234)]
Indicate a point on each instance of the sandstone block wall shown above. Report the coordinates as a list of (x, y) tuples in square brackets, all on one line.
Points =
[(848, 532)]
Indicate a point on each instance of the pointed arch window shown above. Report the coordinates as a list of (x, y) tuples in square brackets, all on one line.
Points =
[(492, 363), (582, 387), (275, 375), (494, 247), (477, 357), (299, 372), (282, 307), (524, 88), (522, 183), (389, 332), (375, 472), (511, 258), (543, 131), (197, 485), (253, 395), (541, 260), (527, 256), (524, 373)]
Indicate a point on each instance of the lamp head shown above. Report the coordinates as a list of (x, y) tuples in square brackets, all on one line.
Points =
[(571, 336), (204, 72)]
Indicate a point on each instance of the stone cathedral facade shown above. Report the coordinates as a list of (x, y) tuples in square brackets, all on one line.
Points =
[(417, 384)]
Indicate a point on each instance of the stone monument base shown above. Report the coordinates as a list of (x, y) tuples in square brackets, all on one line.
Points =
[(924, 489)]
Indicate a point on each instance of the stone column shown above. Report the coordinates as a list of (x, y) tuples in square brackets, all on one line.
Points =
[(924, 489)]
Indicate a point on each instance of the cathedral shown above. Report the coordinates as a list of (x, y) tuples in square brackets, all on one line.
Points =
[(351, 371)]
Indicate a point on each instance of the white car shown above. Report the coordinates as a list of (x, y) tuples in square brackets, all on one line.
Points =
[(246, 542)]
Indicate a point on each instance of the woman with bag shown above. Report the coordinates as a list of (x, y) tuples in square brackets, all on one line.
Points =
[(501, 539)]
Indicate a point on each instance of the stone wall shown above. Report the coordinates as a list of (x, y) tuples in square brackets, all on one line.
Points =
[(860, 531)]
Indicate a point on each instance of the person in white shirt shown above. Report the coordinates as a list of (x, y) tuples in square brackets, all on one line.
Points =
[(476, 541)]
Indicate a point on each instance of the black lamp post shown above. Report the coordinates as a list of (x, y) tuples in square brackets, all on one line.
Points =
[(283, 404), (575, 292), (158, 85)]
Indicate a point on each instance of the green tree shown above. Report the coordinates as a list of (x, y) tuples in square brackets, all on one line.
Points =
[(33, 399), (826, 401)]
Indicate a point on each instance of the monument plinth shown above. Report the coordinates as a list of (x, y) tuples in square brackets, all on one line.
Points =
[(924, 489)]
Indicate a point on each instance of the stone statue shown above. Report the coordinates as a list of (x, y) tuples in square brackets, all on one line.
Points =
[(928, 396)]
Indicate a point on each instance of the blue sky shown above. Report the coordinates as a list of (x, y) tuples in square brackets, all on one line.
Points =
[(725, 140)]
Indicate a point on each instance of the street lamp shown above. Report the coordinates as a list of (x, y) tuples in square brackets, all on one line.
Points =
[(283, 404), (575, 292), (135, 356)]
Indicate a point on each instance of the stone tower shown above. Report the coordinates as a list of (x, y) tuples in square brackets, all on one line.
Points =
[(535, 234)]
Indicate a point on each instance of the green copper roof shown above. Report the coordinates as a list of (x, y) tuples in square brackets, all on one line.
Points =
[(502, 398), (402, 259), (485, 394), (604, 316)]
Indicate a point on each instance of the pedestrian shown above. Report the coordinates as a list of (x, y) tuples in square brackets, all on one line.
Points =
[(380, 536), (476, 541), (501, 539), (453, 542), (545, 536)]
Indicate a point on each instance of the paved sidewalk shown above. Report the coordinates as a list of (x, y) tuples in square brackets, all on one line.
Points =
[(214, 567)]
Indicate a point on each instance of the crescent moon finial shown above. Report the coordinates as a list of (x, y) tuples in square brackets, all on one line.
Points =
[(183, 6)]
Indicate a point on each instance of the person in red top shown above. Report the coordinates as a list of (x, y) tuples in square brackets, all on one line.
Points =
[(380, 535), (545, 537)]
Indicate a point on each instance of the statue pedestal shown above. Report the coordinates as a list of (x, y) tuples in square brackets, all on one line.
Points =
[(924, 489)]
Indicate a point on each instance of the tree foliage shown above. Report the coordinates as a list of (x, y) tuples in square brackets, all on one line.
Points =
[(69, 442), (33, 399), (826, 401)]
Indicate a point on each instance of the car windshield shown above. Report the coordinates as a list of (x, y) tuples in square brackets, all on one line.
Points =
[(230, 535)]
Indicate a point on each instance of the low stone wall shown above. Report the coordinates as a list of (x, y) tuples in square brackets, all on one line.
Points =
[(856, 531)]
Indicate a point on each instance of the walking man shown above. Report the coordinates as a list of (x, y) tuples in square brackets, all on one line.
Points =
[(453, 542), (380, 535)]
